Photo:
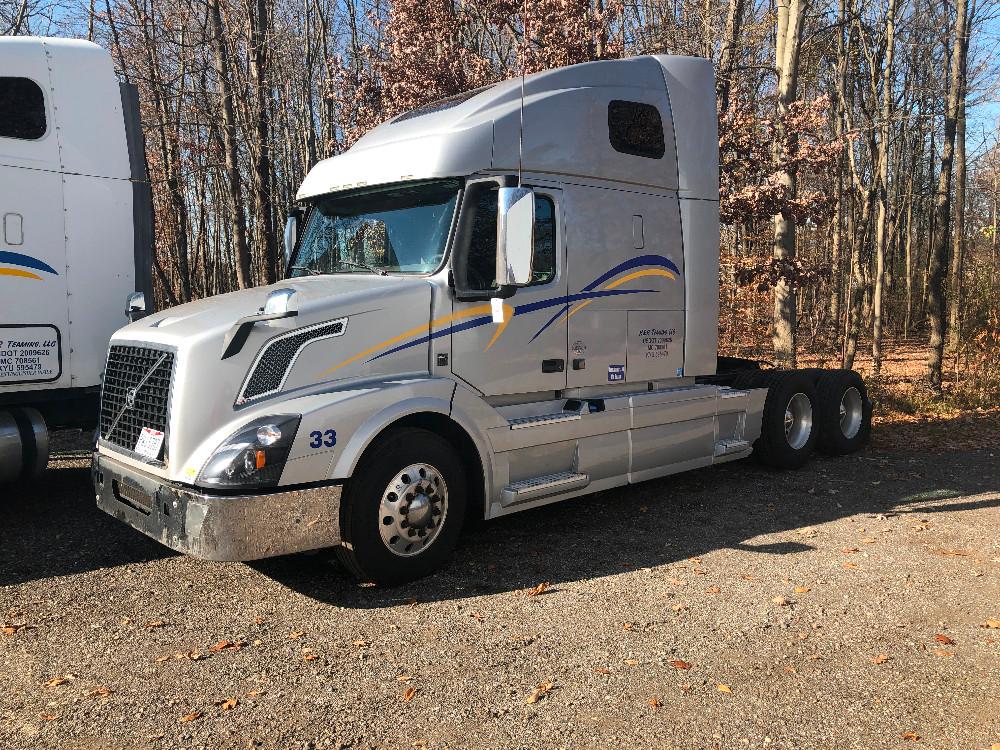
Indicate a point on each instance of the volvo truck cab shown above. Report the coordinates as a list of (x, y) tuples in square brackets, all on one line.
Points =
[(494, 302), (75, 241)]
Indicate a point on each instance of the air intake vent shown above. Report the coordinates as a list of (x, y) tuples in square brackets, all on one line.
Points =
[(136, 394), (278, 355)]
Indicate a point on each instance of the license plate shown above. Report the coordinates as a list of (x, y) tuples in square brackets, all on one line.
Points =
[(149, 443)]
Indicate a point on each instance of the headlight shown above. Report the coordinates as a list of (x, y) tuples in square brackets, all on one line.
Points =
[(252, 457)]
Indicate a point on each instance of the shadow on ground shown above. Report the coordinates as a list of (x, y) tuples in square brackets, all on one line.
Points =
[(669, 520), (53, 528)]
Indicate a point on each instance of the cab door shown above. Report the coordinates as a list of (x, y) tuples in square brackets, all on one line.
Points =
[(526, 353)]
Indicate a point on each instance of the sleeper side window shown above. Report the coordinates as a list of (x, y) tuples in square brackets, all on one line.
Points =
[(22, 109), (481, 262), (636, 128)]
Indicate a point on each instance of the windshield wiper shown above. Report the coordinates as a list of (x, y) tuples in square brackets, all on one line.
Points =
[(365, 266), (307, 269)]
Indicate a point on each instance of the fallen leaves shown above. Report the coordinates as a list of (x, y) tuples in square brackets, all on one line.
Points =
[(228, 704), (194, 715), (802, 589), (540, 692), (850, 550), (53, 717), (654, 703), (911, 736), (225, 645), (296, 634), (781, 601), (849, 566), (942, 652), (944, 639), (880, 659), (309, 655), (14, 629), (991, 624), (60, 680), (98, 692), (680, 607), (713, 590), (153, 624), (723, 688), (539, 589), (409, 694), (951, 553), (680, 664)]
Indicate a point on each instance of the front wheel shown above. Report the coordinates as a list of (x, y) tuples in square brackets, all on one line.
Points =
[(402, 512)]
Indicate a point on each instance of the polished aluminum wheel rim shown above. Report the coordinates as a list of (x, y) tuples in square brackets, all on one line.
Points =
[(798, 421), (851, 413), (413, 510)]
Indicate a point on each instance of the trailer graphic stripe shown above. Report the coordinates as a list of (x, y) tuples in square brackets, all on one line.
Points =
[(19, 272), (25, 261)]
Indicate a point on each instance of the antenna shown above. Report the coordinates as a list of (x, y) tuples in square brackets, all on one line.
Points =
[(520, 132)]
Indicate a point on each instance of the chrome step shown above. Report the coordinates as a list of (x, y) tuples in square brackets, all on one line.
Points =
[(543, 419), (536, 487), (731, 445)]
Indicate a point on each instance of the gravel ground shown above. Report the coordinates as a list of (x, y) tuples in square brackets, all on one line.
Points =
[(846, 605)]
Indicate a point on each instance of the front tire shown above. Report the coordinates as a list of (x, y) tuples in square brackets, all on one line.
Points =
[(402, 512)]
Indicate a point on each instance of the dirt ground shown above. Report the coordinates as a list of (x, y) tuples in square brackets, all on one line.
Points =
[(852, 604)]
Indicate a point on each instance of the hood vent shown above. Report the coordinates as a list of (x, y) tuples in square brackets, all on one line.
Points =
[(277, 357)]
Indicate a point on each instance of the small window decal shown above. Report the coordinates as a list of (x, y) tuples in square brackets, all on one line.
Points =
[(22, 109), (636, 128)]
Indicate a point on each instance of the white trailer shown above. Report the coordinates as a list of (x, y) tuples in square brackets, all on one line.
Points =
[(75, 240), (500, 300)]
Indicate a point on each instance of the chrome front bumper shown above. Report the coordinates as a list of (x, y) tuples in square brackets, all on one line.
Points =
[(218, 527)]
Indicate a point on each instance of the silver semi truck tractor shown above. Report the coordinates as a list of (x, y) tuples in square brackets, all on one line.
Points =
[(496, 301), (75, 237)]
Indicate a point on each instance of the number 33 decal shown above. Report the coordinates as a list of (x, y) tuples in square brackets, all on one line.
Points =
[(321, 438)]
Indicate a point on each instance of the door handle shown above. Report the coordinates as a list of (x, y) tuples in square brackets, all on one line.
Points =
[(553, 365)]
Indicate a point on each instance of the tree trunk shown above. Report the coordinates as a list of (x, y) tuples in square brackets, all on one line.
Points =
[(958, 238), (237, 217), (882, 187), (791, 16), (938, 261)]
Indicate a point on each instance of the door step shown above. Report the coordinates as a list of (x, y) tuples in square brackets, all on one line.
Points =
[(731, 445), (536, 487), (543, 419)]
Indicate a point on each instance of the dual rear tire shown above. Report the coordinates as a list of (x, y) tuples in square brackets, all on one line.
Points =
[(805, 410)]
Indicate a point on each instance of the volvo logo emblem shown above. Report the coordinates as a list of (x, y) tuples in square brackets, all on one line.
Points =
[(130, 398)]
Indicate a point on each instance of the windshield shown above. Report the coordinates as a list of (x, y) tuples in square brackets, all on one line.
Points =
[(401, 229)]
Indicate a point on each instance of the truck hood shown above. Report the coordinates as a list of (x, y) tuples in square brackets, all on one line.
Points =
[(317, 298), (348, 328)]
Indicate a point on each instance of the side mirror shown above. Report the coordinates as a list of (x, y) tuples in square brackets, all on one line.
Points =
[(135, 306), (515, 236), (291, 232)]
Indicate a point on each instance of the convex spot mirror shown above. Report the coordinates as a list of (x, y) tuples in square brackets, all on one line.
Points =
[(515, 236)]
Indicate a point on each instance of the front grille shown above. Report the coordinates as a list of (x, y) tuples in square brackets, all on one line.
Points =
[(144, 372)]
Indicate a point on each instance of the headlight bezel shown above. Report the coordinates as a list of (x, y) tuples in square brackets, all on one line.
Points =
[(243, 462)]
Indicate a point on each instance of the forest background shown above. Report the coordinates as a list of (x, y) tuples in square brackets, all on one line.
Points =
[(859, 148)]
